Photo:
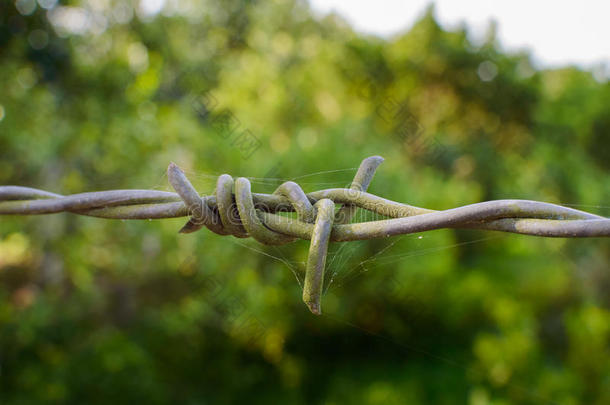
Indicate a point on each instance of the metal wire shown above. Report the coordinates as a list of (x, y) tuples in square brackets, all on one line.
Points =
[(235, 210)]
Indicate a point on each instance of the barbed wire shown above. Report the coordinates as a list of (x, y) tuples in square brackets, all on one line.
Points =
[(235, 210)]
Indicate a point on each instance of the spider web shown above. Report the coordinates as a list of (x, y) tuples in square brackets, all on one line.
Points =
[(347, 261)]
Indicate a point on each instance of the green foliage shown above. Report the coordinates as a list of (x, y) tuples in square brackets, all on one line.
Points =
[(97, 311)]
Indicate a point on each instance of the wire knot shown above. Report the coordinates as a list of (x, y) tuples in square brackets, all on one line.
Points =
[(232, 211)]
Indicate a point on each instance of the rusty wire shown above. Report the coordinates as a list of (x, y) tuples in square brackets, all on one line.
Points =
[(235, 210)]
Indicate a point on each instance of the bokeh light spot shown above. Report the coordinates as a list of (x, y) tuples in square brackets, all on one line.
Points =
[(25, 7), (487, 71), (26, 78), (137, 56), (38, 39), (149, 8), (47, 4)]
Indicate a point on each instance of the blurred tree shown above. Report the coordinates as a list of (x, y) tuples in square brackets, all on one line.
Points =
[(99, 95)]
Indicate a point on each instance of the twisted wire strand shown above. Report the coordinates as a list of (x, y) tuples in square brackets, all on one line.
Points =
[(235, 210)]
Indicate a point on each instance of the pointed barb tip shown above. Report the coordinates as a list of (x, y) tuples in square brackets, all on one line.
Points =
[(173, 167), (314, 308)]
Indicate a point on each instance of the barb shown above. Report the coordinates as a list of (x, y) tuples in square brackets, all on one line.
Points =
[(235, 210)]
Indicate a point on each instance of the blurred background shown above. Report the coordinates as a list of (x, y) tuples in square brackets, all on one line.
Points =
[(99, 95)]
